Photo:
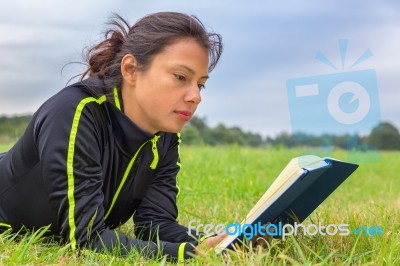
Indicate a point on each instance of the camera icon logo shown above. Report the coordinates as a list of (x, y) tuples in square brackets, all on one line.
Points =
[(359, 95), (341, 103)]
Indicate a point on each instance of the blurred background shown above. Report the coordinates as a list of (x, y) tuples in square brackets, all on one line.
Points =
[(266, 44)]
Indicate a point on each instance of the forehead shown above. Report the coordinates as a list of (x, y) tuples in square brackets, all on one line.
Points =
[(187, 52)]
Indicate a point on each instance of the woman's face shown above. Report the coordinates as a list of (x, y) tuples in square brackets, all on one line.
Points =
[(165, 96)]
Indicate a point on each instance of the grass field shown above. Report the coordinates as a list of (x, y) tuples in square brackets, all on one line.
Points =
[(220, 185)]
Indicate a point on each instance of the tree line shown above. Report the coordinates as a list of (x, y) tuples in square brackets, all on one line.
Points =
[(384, 136), (11, 128)]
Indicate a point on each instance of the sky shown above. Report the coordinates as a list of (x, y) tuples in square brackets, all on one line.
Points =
[(270, 54)]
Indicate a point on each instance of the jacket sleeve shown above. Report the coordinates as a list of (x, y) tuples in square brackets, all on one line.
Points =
[(69, 143), (156, 216)]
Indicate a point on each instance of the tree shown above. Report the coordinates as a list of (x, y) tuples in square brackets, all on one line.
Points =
[(385, 136), (199, 123), (191, 136), (11, 128)]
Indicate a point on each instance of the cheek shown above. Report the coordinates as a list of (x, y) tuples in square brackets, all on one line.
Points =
[(146, 90), (158, 91), (155, 84), (164, 100)]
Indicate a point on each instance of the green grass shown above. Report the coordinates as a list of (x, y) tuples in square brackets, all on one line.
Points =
[(220, 185), (5, 146)]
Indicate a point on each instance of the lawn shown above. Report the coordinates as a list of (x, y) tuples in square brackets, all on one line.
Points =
[(220, 185)]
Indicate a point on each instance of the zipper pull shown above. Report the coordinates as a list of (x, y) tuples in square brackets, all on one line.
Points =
[(154, 140)]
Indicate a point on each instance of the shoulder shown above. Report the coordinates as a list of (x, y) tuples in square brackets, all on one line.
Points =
[(69, 98), (82, 99), (75, 93)]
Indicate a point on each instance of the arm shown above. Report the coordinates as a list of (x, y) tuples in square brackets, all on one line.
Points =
[(156, 216), (69, 147)]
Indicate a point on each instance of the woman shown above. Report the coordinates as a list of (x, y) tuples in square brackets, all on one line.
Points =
[(107, 147)]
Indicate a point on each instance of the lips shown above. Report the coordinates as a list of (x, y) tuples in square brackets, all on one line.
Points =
[(184, 115)]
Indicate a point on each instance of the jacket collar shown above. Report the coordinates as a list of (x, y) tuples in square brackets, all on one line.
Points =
[(127, 134)]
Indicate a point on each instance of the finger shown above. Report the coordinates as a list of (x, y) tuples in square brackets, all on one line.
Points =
[(214, 240)]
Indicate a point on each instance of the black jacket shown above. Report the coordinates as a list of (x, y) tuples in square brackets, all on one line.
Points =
[(84, 168)]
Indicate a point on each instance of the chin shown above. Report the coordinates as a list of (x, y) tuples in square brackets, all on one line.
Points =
[(174, 129), (172, 126)]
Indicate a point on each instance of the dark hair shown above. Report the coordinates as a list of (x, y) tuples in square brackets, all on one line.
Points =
[(145, 39)]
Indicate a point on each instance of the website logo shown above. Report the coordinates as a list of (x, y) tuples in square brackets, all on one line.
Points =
[(345, 102), (281, 230)]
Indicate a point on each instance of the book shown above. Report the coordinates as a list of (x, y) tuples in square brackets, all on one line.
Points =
[(298, 190)]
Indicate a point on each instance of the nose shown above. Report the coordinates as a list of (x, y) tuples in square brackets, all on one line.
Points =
[(193, 95)]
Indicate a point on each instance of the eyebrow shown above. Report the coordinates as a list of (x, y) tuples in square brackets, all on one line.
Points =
[(191, 70)]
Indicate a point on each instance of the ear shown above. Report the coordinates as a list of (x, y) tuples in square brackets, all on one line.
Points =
[(128, 69)]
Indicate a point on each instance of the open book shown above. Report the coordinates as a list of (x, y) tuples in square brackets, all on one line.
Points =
[(298, 190)]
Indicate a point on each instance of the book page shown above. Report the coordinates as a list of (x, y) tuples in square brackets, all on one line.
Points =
[(293, 170), (290, 173)]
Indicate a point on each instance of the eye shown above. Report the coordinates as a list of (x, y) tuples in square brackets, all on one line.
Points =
[(180, 77), (201, 86)]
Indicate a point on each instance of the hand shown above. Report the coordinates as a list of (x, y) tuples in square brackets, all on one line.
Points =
[(263, 241), (210, 243)]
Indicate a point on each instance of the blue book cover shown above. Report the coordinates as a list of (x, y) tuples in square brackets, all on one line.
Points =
[(300, 188)]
